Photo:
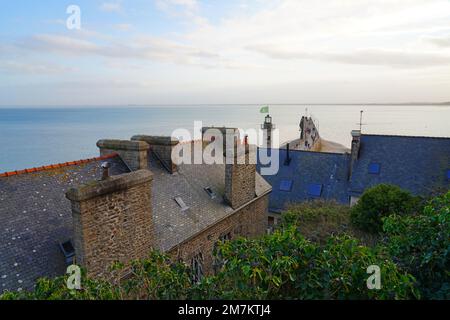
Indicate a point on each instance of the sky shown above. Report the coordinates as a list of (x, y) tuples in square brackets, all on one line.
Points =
[(150, 52)]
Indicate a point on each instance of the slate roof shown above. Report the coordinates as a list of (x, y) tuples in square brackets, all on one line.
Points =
[(330, 170), (35, 215), (417, 164)]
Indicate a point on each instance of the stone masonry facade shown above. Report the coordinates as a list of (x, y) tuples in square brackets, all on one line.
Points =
[(112, 221), (248, 222)]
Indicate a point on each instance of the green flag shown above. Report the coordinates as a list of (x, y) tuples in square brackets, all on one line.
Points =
[(264, 109)]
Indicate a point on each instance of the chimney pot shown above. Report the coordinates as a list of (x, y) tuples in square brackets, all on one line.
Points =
[(105, 170)]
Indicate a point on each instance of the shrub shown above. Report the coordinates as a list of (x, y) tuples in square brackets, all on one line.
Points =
[(421, 245), (285, 265), (318, 220), (379, 202)]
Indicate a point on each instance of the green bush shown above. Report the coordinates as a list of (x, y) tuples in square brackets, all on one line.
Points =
[(421, 245), (285, 265), (379, 202), (318, 220)]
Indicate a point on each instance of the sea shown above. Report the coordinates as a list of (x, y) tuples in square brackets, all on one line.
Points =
[(31, 137)]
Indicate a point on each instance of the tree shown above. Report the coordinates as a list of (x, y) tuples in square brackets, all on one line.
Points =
[(379, 202)]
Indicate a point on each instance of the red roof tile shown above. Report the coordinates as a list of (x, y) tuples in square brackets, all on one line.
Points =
[(57, 165)]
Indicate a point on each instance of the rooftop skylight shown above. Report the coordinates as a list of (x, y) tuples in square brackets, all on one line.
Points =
[(181, 203), (210, 193), (286, 185), (315, 190), (374, 168)]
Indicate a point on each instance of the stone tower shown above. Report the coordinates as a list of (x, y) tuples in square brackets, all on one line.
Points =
[(267, 128)]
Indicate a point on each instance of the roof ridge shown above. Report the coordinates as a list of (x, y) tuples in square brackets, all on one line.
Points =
[(402, 136), (57, 165)]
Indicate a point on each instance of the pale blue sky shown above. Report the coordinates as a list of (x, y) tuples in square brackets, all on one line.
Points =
[(238, 51)]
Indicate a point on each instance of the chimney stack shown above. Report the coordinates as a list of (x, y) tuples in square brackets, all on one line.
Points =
[(356, 146), (240, 171), (132, 153), (162, 147), (112, 221)]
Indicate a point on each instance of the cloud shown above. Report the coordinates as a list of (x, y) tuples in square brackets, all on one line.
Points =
[(16, 67), (141, 48), (123, 27), (186, 9), (111, 7), (443, 41), (369, 57)]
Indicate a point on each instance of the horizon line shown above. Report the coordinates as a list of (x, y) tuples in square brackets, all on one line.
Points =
[(446, 103)]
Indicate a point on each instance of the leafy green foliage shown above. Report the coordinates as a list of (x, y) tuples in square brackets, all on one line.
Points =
[(421, 245), (285, 265), (56, 289), (413, 256), (379, 202)]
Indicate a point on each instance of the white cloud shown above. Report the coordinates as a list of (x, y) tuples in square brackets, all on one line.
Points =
[(123, 27), (111, 7), (39, 68), (288, 50), (441, 41), (369, 57)]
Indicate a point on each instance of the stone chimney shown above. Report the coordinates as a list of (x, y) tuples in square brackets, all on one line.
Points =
[(162, 148), (133, 153), (240, 171), (112, 221), (228, 135), (356, 145)]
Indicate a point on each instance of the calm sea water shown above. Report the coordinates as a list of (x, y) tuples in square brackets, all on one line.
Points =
[(35, 137)]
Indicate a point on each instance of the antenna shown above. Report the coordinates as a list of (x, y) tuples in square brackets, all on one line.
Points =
[(360, 120)]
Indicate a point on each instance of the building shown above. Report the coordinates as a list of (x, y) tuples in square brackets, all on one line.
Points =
[(119, 206), (420, 165)]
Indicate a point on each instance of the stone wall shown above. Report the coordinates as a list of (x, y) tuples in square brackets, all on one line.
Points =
[(133, 153), (249, 222), (112, 221)]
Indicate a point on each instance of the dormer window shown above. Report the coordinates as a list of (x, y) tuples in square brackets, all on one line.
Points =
[(374, 168), (181, 203), (211, 193)]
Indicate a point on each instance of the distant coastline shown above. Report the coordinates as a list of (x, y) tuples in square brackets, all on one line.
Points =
[(447, 103)]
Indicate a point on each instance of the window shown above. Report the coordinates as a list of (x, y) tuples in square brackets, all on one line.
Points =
[(374, 168), (181, 203), (448, 174), (315, 190), (197, 268), (225, 237), (286, 185), (219, 262), (211, 193)]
